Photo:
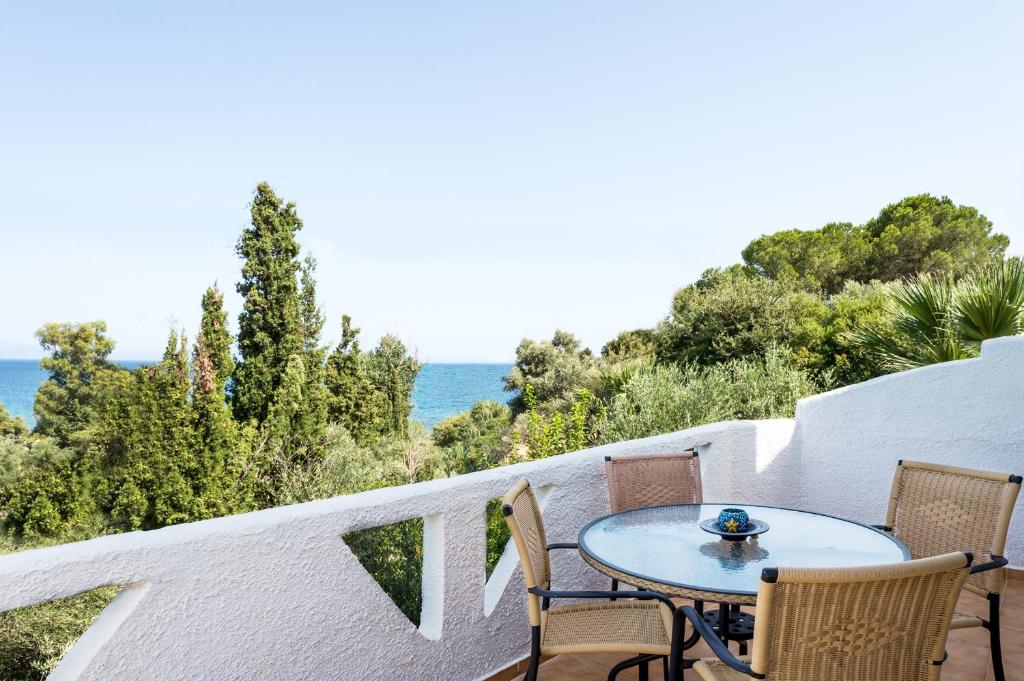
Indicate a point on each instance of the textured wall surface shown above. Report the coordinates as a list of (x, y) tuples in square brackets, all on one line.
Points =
[(278, 595), (968, 413)]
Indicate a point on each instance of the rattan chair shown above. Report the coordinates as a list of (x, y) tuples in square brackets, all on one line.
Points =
[(644, 480), (639, 623), (875, 623), (934, 509), (639, 481)]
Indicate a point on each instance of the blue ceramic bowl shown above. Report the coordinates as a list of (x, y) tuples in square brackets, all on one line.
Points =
[(733, 520)]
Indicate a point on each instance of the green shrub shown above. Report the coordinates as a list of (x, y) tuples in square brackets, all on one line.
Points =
[(938, 319), (34, 639), (498, 535), (393, 554), (669, 398)]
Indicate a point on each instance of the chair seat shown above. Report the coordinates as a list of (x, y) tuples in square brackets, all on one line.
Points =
[(712, 669), (640, 627), (961, 620)]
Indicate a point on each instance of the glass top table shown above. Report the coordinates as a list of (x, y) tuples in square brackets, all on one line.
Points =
[(664, 549)]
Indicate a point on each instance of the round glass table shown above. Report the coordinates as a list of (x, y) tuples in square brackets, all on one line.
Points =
[(663, 549)]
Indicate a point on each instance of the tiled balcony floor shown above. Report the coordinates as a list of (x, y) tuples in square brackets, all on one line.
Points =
[(968, 649)]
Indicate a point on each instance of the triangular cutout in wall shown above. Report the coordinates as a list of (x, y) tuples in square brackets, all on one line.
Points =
[(502, 557), (64, 634), (393, 555)]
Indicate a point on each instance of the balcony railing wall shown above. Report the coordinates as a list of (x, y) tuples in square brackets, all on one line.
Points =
[(278, 595)]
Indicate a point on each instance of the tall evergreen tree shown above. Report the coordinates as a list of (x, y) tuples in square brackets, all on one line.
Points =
[(352, 399), (393, 371), (270, 325), (212, 362), (314, 414), (222, 482), (150, 445)]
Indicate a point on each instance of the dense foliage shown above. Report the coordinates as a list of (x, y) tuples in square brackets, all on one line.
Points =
[(920, 234), (204, 433), (938, 319), (667, 398)]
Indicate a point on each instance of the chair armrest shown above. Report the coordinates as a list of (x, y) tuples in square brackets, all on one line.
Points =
[(565, 545), (621, 595), (996, 562), (883, 528), (720, 650)]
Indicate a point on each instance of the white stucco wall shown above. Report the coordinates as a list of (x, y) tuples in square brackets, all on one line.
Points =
[(277, 595), (968, 413)]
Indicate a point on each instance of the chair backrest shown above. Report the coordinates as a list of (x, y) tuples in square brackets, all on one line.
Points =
[(884, 623), (936, 509), (522, 514), (638, 481)]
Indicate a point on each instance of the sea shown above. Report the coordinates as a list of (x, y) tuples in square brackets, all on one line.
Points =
[(441, 390)]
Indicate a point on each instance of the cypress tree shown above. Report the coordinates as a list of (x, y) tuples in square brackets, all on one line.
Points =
[(314, 414), (352, 399), (393, 370), (212, 362), (270, 324), (278, 381), (220, 483), (150, 445)]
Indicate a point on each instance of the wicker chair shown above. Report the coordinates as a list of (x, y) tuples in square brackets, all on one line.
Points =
[(640, 481), (934, 509), (653, 480), (877, 623), (639, 622)]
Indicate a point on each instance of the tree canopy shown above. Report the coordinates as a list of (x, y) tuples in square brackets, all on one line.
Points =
[(67, 404), (919, 234), (731, 313), (353, 400), (554, 368)]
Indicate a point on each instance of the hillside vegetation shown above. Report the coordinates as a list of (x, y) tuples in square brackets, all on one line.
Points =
[(265, 415)]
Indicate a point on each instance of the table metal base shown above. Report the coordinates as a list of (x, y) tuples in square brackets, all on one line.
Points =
[(741, 624)]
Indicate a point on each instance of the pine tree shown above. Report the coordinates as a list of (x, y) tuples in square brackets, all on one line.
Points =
[(270, 325), (352, 399)]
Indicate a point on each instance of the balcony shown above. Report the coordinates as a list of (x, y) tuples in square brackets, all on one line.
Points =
[(278, 595)]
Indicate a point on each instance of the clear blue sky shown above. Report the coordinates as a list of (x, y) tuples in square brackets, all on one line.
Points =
[(470, 173)]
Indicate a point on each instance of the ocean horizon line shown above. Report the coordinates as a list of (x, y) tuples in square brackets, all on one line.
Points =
[(442, 389)]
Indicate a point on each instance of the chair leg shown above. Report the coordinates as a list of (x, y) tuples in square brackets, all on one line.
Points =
[(615, 585), (664, 668), (639, 661), (675, 660), (995, 644), (534, 668)]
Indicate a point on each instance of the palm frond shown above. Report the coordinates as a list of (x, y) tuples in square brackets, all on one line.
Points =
[(921, 333), (990, 303)]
